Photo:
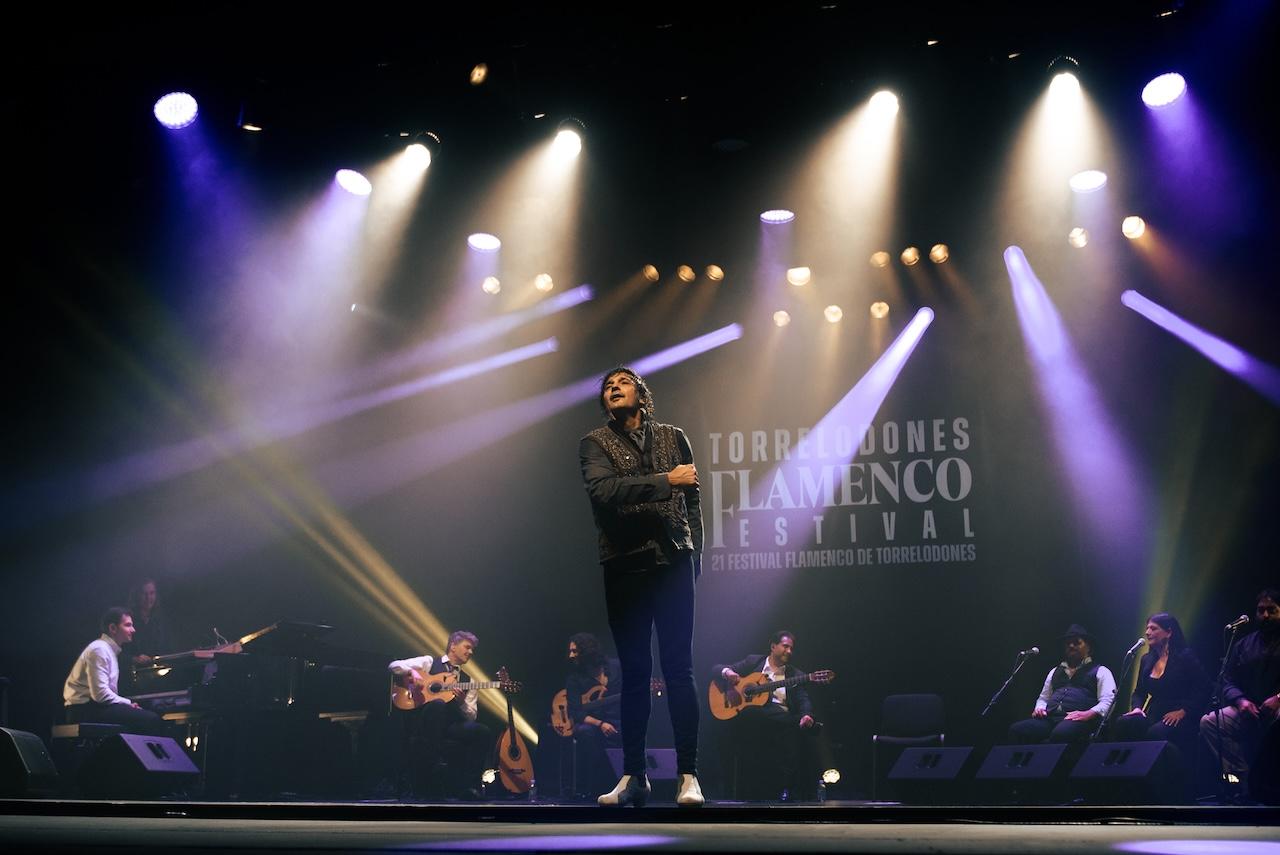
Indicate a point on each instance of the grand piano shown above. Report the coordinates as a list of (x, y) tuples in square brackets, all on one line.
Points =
[(276, 713)]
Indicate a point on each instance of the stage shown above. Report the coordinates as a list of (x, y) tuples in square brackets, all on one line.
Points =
[(719, 827)]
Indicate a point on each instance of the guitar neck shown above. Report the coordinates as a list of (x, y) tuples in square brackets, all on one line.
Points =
[(789, 681), (492, 684)]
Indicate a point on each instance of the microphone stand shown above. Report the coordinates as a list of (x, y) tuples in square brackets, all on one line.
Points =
[(1218, 700), (1017, 666), (1111, 712)]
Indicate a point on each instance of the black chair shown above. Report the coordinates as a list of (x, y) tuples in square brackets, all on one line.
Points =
[(906, 721)]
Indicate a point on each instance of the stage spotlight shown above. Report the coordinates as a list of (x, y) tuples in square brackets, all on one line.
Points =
[(568, 142), (491, 285), (939, 253), (650, 273), (831, 776), (777, 216), (1133, 227), (421, 149), (479, 73), (685, 273), (884, 103), (543, 282), (1164, 90), (1088, 181), (176, 110), (910, 256), (353, 182), (799, 276), (1078, 237), (833, 314), (715, 272), (879, 310), (484, 242), (880, 259), (248, 119), (781, 318), (416, 156)]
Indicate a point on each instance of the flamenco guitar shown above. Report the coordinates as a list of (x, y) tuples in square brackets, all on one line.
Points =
[(592, 699), (408, 692), (753, 690)]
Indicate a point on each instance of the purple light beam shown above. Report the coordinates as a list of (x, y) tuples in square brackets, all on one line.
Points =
[(1107, 488), (1258, 374)]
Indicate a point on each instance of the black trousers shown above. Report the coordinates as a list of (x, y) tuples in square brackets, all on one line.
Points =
[(1051, 728), (133, 720), (438, 732), (768, 742), (594, 775), (661, 597)]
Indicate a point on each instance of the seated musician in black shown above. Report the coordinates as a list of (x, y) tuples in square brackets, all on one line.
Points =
[(771, 733), (1171, 691), (435, 724), (151, 637), (597, 680), (1074, 699), (91, 691)]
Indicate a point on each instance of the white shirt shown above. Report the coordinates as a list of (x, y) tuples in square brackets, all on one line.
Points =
[(96, 675), (470, 701), (1106, 688), (771, 674)]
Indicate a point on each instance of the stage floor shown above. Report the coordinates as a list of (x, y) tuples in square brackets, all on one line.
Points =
[(82, 826)]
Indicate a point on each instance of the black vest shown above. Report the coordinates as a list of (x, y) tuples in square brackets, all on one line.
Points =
[(1075, 693), (631, 529)]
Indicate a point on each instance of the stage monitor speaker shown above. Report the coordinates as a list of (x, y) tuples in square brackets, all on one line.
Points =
[(134, 765), (1129, 773), (26, 769), (928, 775), (1023, 774), (660, 763), (929, 764)]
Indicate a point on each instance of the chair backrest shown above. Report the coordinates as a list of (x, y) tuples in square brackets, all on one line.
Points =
[(912, 715)]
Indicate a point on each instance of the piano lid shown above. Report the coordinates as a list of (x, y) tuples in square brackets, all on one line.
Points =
[(285, 638)]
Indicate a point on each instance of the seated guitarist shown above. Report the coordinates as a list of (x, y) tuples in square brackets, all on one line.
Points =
[(433, 724), (593, 678), (772, 731)]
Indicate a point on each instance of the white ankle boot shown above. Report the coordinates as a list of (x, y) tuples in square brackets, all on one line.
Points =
[(689, 794), (631, 790)]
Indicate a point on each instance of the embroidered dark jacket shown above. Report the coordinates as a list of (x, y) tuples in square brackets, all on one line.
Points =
[(639, 515)]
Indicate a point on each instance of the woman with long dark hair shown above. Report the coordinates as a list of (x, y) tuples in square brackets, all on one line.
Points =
[(1171, 691)]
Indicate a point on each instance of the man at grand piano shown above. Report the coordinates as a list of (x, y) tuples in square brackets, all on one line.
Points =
[(428, 727), (91, 691)]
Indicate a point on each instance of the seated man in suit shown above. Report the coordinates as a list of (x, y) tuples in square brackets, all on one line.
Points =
[(772, 732), (1074, 699), (429, 726)]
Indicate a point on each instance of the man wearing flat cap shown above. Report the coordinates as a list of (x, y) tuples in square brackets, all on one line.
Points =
[(1076, 696)]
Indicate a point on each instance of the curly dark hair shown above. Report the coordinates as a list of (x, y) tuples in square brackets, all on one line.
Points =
[(777, 637), (642, 388), (1169, 623), (590, 656)]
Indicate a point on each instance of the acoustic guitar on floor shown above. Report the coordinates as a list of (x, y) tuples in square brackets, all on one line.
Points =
[(415, 689), (753, 690)]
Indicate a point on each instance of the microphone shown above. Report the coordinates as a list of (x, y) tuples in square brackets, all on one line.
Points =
[(1238, 622), (1031, 651), (1136, 645)]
